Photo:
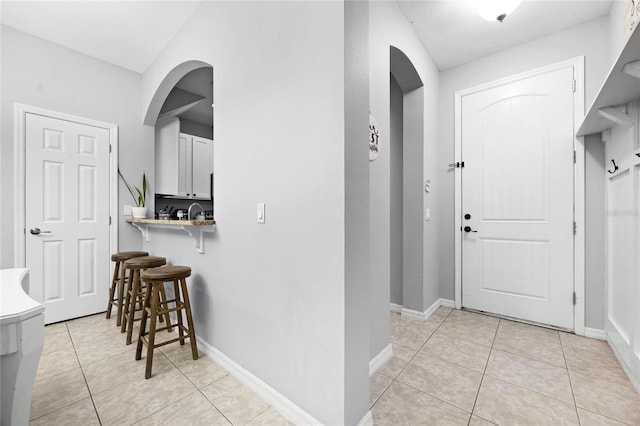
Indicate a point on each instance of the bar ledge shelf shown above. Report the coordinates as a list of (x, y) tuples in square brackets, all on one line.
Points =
[(194, 228)]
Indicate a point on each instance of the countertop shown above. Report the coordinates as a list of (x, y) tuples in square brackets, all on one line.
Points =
[(172, 222)]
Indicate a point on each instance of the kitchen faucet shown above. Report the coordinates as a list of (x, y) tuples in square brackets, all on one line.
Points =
[(189, 211)]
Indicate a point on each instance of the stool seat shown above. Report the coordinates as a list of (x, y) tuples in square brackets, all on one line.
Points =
[(125, 255), (145, 262), (166, 273)]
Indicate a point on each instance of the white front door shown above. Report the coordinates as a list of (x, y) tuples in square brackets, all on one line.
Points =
[(517, 198), (67, 216)]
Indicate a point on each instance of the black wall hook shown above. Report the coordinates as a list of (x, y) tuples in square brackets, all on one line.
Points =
[(615, 167)]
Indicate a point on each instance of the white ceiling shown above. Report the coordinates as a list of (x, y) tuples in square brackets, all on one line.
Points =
[(125, 33), (132, 33), (453, 33)]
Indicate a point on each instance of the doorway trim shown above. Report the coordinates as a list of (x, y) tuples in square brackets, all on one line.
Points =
[(578, 182), (19, 174)]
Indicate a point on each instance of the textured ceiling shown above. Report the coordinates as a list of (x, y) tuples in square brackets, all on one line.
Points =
[(132, 33), (125, 33), (453, 33)]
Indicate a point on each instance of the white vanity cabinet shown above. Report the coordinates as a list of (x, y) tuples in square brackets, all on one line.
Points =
[(183, 163)]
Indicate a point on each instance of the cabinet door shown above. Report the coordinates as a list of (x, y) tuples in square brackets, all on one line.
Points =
[(184, 165), (202, 150), (166, 156)]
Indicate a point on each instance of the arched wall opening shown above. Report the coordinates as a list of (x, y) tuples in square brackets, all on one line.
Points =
[(181, 111), (406, 186), (165, 87)]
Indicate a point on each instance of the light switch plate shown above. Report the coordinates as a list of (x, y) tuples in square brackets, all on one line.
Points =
[(127, 210), (261, 213)]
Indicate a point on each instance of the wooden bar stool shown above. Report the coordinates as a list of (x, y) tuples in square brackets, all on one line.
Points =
[(155, 279), (134, 291), (118, 281)]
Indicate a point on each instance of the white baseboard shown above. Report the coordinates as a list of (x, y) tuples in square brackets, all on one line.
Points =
[(380, 359), (279, 402), (422, 316), (395, 307), (595, 333), (447, 303), (635, 381), (367, 420)]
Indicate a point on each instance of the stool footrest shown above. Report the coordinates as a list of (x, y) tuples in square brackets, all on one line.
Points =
[(166, 342)]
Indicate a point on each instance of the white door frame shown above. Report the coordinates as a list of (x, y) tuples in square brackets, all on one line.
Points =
[(578, 182), (19, 174)]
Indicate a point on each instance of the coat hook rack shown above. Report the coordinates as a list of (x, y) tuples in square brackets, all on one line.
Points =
[(615, 167)]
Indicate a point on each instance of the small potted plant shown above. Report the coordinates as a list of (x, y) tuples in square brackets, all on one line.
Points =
[(139, 197)]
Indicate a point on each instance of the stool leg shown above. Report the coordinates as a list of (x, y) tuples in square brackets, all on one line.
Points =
[(121, 283), (187, 305), (127, 300), (112, 289), (163, 302), (134, 291), (143, 321), (176, 292), (155, 296)]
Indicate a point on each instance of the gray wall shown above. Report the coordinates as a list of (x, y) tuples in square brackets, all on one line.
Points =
[(595, 226), (41, 74), (273, 296), (198, 129), (413, 286), (395, 152), (356, 172), (389, 27), (590, 39)]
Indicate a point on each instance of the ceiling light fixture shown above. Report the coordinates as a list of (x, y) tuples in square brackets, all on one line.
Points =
[(496, 10)]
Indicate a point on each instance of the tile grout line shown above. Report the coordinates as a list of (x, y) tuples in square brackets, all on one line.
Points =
[(200, 390), (484, 371), (393, 380), (566, 365), (84, 376)]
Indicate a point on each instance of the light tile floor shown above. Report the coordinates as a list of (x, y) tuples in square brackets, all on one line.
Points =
[(463, 368), (88, 376), (456, 368)]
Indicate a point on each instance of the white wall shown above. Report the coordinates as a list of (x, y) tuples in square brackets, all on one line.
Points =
[(590, 39), (389, 27), (273, 297), (42, 74)]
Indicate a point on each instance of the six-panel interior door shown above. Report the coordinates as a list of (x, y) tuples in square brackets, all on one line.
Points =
[(517, 188), (67, 216)]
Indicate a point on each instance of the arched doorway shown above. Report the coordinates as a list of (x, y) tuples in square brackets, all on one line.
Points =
[(406, 182)]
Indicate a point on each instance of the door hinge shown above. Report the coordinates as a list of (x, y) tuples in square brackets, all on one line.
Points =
[(457, 165), (575, 156), (575, 228), (109, 220), (575, 299), (109, 148), (573, 85)]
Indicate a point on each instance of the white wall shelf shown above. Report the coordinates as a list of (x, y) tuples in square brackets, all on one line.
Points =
[(194, 228), (621, 87)]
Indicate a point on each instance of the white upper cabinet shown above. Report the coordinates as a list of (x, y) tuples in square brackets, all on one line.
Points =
[(183, 163)]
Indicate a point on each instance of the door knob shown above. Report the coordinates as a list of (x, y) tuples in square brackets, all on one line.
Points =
[(468, 229), (467, 216), (37, 231)]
